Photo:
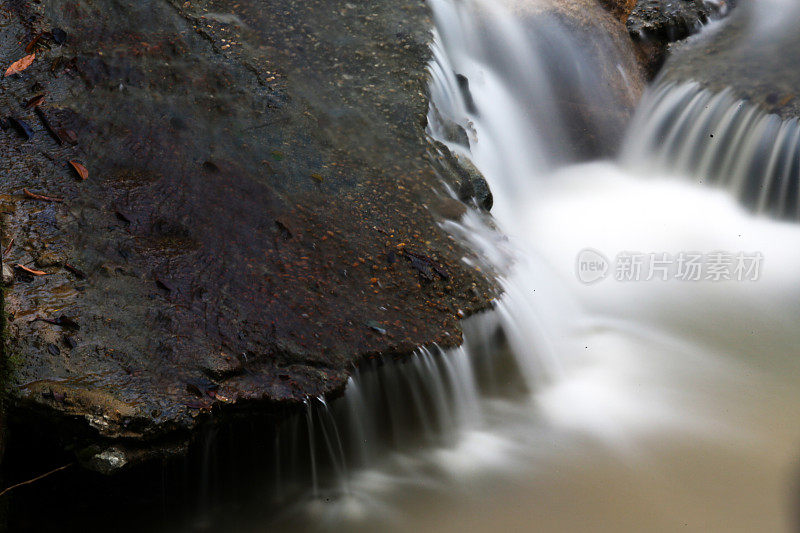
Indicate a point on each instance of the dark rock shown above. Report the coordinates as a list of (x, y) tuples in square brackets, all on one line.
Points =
[(653, 24), (227, 271), (733, 91), (449, 208), (48, 259), (606, 66), (467, 180), (8, 274), (475, 187), (59, 35), (451, 131), (463, 86), (221, 366)]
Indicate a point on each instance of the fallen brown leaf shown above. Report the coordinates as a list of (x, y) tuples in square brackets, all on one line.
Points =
[(68, 135), (80, 170), (18, 66), (36, 101)]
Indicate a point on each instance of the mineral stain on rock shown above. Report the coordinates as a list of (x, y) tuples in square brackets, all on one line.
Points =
[(195, 254)]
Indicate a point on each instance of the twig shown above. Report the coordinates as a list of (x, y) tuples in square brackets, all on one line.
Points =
[(47, 125), (34, 480), (35, 196), (76, 271), (8, 248), (31, 271)]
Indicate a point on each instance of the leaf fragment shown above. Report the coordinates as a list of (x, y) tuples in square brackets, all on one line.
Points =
[(36, 101), (18, 66), (78, 273), (79, 169), (68, 135)]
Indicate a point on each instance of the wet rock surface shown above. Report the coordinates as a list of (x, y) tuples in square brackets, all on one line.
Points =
[(253, 220), (607, 67), (653, 24), (621, 9), (673, 20), (472, 187)]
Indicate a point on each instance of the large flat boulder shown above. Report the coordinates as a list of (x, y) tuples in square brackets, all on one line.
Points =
[(254, 222)]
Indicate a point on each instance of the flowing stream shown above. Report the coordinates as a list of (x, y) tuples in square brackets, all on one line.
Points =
[(640, 372)]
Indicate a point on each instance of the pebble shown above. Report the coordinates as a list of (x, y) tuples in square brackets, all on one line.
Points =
[(8, 275)]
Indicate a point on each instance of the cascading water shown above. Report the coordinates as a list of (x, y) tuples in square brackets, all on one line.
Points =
[(614, 402), (719, 140)]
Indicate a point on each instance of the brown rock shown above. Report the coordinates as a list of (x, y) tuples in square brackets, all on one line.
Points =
[(621, 9)]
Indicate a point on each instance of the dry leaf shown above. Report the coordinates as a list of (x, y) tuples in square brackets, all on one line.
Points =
[(22, 64), (36, 101), (68, 135), (80, 169)]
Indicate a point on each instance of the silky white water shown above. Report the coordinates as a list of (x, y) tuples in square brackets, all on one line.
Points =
[(624, 403)]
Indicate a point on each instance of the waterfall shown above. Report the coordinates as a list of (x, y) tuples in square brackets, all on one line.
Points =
[(429, 399), (601, 381), (721, 141), (565, 354), (535, 86), (721, 113)]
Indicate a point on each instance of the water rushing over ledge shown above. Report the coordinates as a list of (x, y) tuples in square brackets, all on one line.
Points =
[(721, 141), (646, 404), (619, 403), (631, 405)]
